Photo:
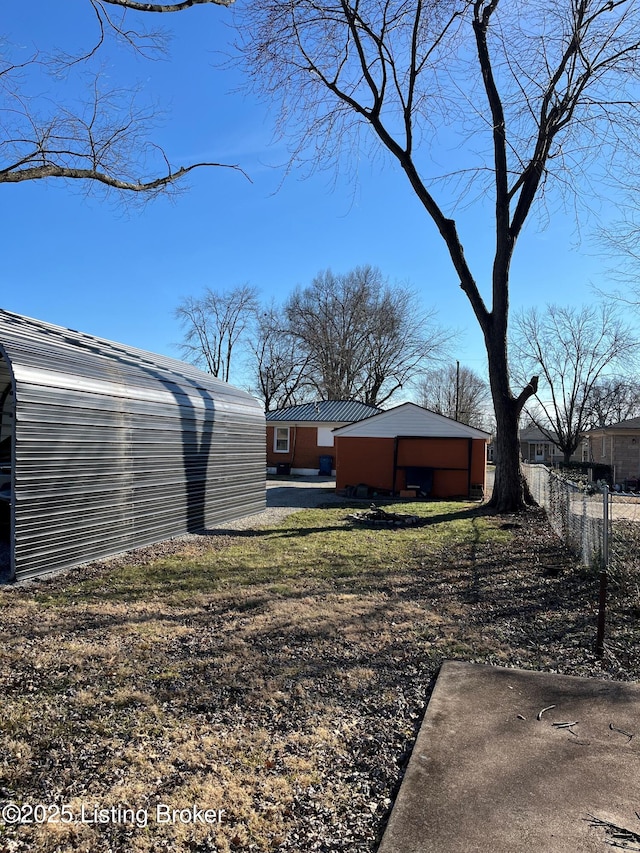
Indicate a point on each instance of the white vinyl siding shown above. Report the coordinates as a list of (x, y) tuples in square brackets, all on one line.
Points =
[(325, 437), (410, 419)]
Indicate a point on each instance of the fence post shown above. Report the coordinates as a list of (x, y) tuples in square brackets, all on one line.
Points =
[(605, 531), (602, 605)]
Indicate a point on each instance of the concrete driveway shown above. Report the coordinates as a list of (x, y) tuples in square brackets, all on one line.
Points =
[(301, 492)]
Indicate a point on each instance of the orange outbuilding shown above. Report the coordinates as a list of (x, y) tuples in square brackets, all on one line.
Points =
[(412, 452)]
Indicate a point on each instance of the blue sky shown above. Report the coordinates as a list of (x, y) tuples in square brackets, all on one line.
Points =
[(94, 266)]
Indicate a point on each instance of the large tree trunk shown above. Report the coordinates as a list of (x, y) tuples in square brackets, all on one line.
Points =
[(510, 490)]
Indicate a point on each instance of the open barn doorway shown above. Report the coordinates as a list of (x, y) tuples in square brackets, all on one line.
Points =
[(7, 421)]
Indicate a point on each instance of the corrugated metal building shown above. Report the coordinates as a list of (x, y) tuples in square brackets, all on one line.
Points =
[(104, 447), (412, 451)]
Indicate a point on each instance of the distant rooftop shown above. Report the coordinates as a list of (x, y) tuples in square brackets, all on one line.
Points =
[(325, 411), (533, 434), (631, 424)]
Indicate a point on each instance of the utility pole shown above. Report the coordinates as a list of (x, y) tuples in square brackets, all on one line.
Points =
[(457, 388)]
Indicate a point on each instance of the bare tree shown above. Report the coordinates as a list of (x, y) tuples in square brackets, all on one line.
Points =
[(456, 392), (214, 324), (613, 399), (102, 140), (572, 349), (536, 94), (362, 338), (279, 371)]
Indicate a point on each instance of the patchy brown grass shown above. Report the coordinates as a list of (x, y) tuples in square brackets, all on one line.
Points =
[(279, 675)]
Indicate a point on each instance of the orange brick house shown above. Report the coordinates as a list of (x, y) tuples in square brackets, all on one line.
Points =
[(300, 438)]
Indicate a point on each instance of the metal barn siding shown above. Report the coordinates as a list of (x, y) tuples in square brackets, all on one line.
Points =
[(114, 448)]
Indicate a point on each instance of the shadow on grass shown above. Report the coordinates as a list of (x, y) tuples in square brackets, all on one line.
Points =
[(481, 577), (396, 563), (338, 553)]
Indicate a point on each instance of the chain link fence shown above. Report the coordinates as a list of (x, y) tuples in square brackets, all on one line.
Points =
[(602, 527), (599, 525), (623, 553), (577, 516)]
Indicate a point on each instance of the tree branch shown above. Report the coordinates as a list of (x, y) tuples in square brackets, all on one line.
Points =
[(165, 7), (503, 235), (30, 173), (528, 391)]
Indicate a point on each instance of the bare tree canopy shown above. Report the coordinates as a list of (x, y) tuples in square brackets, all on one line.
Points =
[(521, 100), (214, 324), (100, 138), (572, 349), (279, 373), (613, 399), (362, 338), (456, 392)]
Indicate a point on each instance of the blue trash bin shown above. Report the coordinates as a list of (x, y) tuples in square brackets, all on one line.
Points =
[(326, 466)]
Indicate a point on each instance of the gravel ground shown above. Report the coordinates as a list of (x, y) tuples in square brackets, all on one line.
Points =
[(287, 496)]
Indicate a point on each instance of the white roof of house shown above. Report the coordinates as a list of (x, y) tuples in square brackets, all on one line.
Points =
[(409, 419)]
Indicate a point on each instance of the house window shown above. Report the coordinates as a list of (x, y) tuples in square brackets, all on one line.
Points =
[(604, 445), (281, 439), (325, 437)]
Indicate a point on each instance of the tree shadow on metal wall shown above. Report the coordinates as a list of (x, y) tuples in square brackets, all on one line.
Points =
[(196, 434)]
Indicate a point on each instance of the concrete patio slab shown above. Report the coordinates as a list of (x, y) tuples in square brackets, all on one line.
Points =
[(487, 775)]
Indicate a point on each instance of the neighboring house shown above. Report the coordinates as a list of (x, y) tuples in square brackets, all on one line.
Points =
[(536, 447), (617, 445), (411, 451), (300, 438)]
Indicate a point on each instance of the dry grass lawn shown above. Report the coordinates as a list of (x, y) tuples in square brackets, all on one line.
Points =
[(277, 675)]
